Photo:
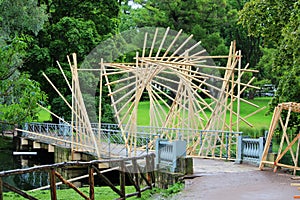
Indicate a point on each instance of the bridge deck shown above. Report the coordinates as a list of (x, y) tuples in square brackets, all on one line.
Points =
[(218, 179)]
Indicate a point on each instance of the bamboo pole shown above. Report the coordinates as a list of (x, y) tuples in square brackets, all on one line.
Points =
[(274, 121)]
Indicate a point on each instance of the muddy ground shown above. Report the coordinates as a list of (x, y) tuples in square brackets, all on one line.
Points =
[(221, 180)]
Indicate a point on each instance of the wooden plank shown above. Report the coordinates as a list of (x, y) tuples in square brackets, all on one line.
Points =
[(52, 184), (71, 185)]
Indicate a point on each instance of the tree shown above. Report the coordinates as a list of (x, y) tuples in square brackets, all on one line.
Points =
[(202, 18), (277, 22), (18, 94), (74, 27)]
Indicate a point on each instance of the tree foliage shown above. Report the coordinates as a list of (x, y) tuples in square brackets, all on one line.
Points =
[(18, 94), (74, 27), (278, 23)]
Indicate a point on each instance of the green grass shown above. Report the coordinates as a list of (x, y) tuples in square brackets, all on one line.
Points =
[(105, 193), (260, 120)]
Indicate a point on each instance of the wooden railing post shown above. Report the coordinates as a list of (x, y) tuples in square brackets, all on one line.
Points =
[(152, 168), (149, 170), (52, 184), (136, 174), (1, 189), (91, 183), (122, 179)]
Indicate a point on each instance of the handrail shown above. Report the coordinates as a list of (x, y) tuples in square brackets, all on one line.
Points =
[(138, 173)]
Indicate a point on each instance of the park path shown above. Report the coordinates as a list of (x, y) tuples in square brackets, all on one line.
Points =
[(221, 180)]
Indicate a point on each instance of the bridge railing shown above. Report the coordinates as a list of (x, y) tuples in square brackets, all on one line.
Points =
[(168, 153), (251, 149), (139, 171)]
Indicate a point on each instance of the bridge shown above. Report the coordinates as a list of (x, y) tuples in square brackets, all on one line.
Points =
[(112, 144), (109, 138)]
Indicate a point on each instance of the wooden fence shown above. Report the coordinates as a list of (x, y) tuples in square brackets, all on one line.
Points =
[(136, 169)]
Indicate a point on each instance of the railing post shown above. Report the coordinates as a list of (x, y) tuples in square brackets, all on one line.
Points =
[(109, 144), (226, 144), (149, 170), (261, 148), (122, 179), (91, 183), (240, 149), (157, 152), (52, 184), (136, 175), (147, 142)]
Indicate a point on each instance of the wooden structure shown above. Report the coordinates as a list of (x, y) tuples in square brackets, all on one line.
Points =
[(187, 92), (290, 141), (178, 84), (139, 170)]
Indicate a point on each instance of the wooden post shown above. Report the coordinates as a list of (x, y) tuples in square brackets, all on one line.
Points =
[(52, 184), (91, 183), (122, 179), (136, 174), (149, 170)]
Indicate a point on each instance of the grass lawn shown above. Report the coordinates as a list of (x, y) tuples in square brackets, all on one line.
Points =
[(260, 120), (105, 193)]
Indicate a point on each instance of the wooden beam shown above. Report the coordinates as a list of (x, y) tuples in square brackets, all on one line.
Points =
[(71, 185), (106, 180)]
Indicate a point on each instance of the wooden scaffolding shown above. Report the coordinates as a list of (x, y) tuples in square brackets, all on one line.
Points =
[(289, 142)]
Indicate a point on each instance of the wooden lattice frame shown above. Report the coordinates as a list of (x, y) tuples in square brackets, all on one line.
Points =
[(187, 111), (277, 120), (186, 106)]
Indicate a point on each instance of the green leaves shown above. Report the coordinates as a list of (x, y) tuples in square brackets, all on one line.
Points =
[(19, 97), (21, 16)]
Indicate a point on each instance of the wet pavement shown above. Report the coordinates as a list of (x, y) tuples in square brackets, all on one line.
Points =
[(224, 180)]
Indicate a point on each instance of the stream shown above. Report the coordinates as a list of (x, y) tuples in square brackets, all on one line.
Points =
[(8, 161)]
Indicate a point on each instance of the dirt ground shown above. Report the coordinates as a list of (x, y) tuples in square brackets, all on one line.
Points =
[(220, 180)]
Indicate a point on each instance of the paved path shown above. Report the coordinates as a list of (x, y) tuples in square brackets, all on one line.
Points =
[(221, 180)]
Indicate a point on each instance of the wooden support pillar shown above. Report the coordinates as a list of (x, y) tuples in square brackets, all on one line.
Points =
[(52, 184), (91, 183), (122, 179)]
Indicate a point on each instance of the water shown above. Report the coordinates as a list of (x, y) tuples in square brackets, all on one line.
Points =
[(8, 161)]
